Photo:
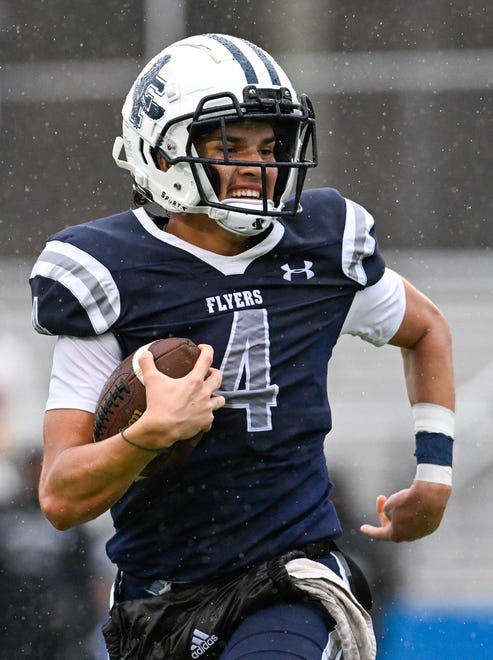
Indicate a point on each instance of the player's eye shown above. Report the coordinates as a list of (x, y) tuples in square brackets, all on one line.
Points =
[(219, 150)]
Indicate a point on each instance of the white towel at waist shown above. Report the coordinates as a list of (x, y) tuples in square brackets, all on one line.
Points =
[(353, 623)]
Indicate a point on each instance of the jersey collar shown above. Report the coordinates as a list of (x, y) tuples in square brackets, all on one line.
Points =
[(228, 265)]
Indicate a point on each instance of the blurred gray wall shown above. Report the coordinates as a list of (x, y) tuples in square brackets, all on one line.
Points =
[(403, 95)]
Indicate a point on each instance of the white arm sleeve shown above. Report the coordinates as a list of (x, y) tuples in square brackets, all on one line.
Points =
[(80, 369), (376, 312)]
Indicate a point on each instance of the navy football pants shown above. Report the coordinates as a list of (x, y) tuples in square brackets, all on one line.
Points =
[(297, 631), (282, 632)]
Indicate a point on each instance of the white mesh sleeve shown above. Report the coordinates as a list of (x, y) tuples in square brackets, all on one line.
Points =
[(376, 312), (80, 369)]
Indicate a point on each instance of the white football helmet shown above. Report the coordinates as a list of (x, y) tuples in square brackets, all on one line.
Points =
[(197, 85)]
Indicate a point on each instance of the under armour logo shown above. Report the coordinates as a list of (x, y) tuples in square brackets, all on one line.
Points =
[(288, 275)]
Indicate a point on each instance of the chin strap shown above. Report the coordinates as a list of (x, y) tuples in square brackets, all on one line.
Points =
[(239, 222)]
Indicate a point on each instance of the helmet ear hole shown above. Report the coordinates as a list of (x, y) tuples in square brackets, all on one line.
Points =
[(159, 160)]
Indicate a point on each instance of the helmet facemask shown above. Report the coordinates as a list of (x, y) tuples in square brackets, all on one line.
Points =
[(294, 153)]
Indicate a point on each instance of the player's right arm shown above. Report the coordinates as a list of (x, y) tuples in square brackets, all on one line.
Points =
[(81, 479), (75, 294)]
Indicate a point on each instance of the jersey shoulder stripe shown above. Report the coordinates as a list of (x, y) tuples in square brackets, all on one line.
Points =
[(358, 242), (85, 277)]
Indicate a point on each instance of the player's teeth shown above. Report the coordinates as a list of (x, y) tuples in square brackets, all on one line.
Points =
[(246, 193)]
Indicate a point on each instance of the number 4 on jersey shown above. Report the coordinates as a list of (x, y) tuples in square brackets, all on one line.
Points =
[(246, 369)]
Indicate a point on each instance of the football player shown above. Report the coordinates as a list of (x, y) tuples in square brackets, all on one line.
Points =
[(223, 246)]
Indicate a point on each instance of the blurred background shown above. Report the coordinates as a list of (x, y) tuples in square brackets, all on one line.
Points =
[(403, 96)]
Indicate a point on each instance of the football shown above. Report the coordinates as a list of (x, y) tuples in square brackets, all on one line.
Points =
[(123, 399)]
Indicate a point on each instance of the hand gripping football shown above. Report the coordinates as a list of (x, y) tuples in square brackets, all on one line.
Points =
[(123, 399)]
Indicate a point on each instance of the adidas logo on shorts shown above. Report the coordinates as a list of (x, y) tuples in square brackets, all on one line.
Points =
[(201, 642)]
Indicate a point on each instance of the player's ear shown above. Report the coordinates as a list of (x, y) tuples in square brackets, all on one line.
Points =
[(161, 161)]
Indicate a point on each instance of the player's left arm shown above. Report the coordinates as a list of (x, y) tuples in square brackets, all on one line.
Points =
[(425, 341)]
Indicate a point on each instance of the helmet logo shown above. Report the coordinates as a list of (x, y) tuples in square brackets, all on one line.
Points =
[(149, 85)]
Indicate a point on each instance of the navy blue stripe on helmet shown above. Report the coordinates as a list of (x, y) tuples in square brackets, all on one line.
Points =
[(268, 64), (241, 58)]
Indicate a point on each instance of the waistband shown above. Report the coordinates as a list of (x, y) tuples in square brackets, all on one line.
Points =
[(316, 549), (128, 587)]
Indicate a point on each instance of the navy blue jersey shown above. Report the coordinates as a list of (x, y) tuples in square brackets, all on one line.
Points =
[(257, 484)]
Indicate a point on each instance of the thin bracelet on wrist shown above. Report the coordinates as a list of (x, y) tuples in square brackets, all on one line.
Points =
[(134, 444)]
